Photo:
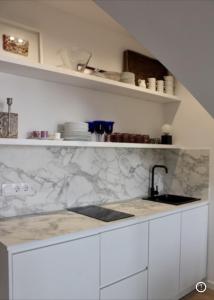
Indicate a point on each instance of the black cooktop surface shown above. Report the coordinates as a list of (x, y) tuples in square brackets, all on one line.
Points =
[(100, 213)]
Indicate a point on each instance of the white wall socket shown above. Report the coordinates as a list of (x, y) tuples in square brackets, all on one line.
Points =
[(16, 189)]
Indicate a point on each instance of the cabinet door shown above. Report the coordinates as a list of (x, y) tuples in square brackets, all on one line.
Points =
[(164, 255), (124, 252), (193, 247), (64, 271), (132, 288)]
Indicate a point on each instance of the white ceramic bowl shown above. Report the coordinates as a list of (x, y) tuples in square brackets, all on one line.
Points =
[(127, 75)]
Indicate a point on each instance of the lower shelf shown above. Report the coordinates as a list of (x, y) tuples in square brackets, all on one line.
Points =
[(31, 142)]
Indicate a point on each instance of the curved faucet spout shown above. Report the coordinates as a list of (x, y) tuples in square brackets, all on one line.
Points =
[(154, 192)]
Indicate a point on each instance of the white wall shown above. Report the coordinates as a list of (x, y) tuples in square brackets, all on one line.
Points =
[(43, 105), (60, 29)]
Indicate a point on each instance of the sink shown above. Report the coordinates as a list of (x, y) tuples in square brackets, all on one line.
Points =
[(173, 199)]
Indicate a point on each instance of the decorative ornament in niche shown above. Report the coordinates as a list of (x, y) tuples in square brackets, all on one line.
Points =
[(15, 45)]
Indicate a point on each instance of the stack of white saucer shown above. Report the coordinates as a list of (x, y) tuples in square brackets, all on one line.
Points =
[(76, 131), (152, 83), (169, 85), (160, 86)]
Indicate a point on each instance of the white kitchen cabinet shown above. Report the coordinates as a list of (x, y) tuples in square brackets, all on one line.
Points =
[(124, 252), (63, 271), (193, 248), (164, 255), (132, 288), (114, 265)]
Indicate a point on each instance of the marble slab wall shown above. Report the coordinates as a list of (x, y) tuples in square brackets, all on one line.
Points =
[(62, 177), (188, 173)]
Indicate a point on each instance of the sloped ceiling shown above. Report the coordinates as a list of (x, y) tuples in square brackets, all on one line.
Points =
[(84, 9), (178, 33)]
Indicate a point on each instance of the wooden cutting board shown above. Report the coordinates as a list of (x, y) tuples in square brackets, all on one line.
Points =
[(143, 66)]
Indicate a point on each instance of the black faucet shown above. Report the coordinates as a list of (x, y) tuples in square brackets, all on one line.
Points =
[(153, 191)]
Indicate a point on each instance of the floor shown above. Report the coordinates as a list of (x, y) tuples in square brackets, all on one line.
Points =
[(208, 295)]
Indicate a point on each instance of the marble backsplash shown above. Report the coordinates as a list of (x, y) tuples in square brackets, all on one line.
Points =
[(63, 177), (188, 173)]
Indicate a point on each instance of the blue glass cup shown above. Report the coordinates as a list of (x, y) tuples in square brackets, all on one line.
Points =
[(91, 126), (108, 127), (99, 128)]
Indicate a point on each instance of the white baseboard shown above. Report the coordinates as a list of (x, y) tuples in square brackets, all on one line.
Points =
[(210, 284)]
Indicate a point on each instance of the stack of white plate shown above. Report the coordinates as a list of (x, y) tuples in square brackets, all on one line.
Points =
[(152, 83), (169, 84), (160, 86), (76, 131)]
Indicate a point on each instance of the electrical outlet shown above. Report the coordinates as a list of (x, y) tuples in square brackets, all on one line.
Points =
[(16, 189)]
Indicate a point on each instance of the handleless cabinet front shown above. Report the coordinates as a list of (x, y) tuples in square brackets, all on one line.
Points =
[(63, 271), (124, 252), (193, 248), (164, 255)]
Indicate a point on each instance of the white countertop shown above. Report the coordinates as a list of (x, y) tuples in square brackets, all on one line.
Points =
[(35, 231)]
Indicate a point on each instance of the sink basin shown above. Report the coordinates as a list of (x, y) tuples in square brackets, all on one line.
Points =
[(173, 199)]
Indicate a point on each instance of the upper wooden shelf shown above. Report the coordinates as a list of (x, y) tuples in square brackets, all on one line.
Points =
[(24, 68)]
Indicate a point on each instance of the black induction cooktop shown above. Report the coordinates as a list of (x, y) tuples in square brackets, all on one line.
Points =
[(100, 213)]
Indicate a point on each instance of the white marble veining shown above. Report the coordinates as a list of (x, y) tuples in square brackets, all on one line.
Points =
[(62, 177), (21, 230)]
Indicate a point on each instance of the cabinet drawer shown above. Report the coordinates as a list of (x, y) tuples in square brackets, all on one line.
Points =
[(124, 252), (67, 271), (134, 287)]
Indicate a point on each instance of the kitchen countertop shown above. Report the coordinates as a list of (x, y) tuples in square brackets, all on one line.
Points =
[(40, 230)]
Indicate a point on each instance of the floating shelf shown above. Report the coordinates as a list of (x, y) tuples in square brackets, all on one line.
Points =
[(55, 143), (61, 143), (24, 68)]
